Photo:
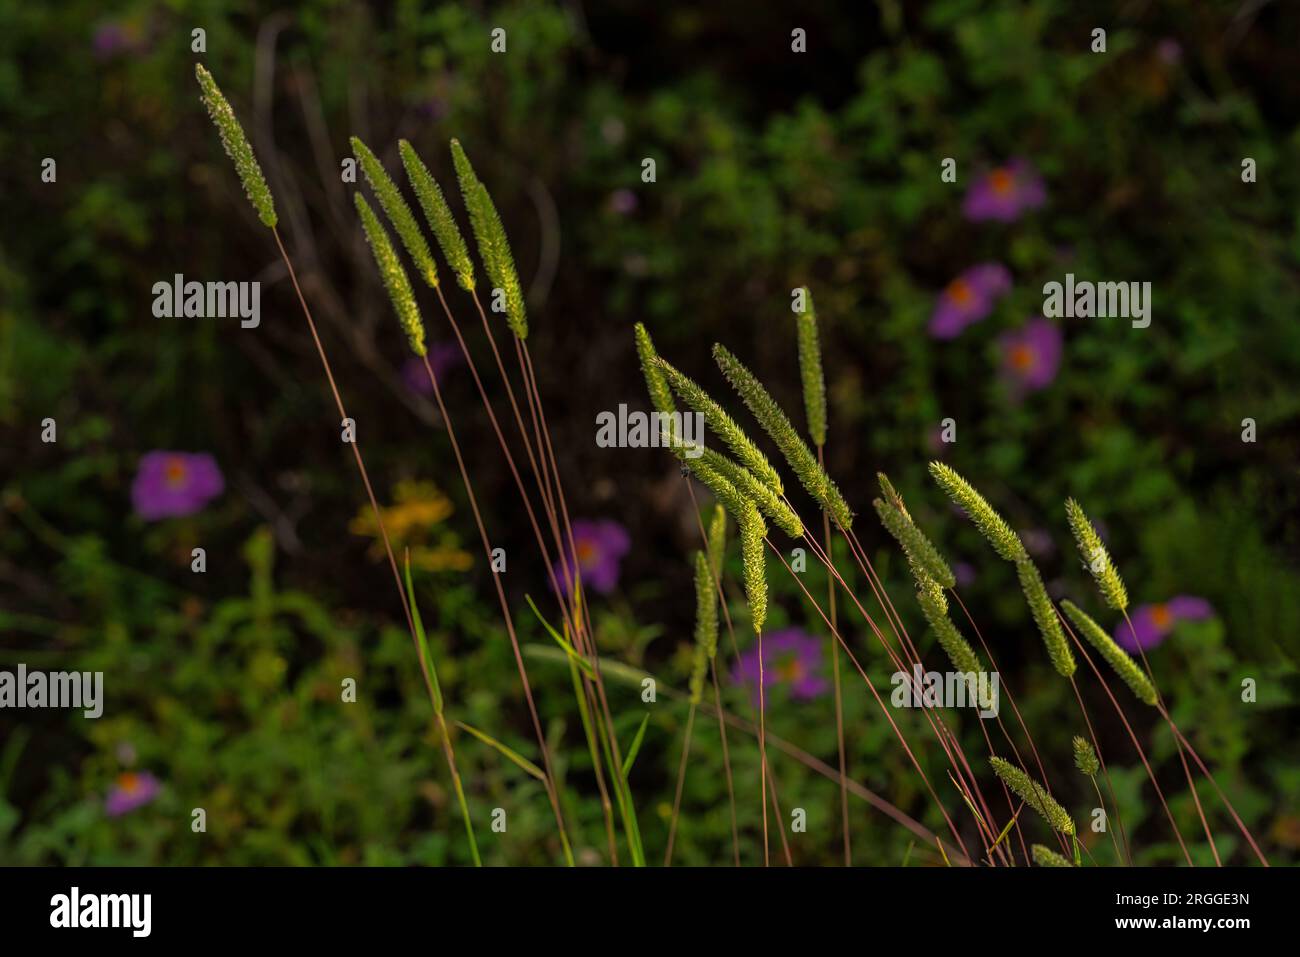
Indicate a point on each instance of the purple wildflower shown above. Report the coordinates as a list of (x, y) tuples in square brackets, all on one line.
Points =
[(1006, 193), (968, 299), (600, 546), (116, 37), (1153, 623), (1031, 355), (170, 484), (622, 201), (443, 357), (790, 657), (130, 791)]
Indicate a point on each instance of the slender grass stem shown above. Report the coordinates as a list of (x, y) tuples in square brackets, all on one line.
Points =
[(1132, 736), (505, 612), (1187, 771), (835, 677), (681, 778)]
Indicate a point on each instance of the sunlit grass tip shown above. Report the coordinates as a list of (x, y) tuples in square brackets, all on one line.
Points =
[(397, 211), (1085, 758), (1049, 626), (810, 370), (990, 524), (723, 425), (717, 540), (1046, 857), (439, 216), (754, 564), (768, 502), (920, 552), (1033, 794), (1096, 557), (660, 394), (706, 625), (393, 275), (933, 605), (1115, 656), (493, 246), (777, 425), (237, 148)]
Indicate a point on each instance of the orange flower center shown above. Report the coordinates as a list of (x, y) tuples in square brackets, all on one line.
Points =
[(586, 552), (960, 292), (1002, 181), (1022, 357), (1162, 616), (128, 782), (791, 670), (174, 472)]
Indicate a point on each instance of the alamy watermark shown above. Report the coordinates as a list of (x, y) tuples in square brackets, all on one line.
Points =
[(1100, 300), (949, 689), (212, 300), (53, 689), (650, 430)]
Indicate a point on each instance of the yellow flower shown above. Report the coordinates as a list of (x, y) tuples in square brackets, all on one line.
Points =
[(412, 522)]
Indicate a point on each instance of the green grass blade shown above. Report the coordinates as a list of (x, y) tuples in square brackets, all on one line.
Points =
[(506, 752)]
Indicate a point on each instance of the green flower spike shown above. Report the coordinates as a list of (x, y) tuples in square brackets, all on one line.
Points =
[(810, 371), (777, 425), (398, 213), (1045, 857), (891, 494), (493, 246), (1033, 794), (920, 552), (771, 505), (1085, 758), (393, 275), (1096, 557), (934, 607), (754, 563), (438, 214), (990, 524), (1115, 656), (1049, 626), (717, 540), (724, 426), (655, 383), (237, 148), (706, 625)]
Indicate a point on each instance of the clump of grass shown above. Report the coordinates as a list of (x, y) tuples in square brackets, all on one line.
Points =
[(1115, 656), (1033, 794), (438, 214), (775, 423), (1046, 857), (237, 148), (1095, 556)]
